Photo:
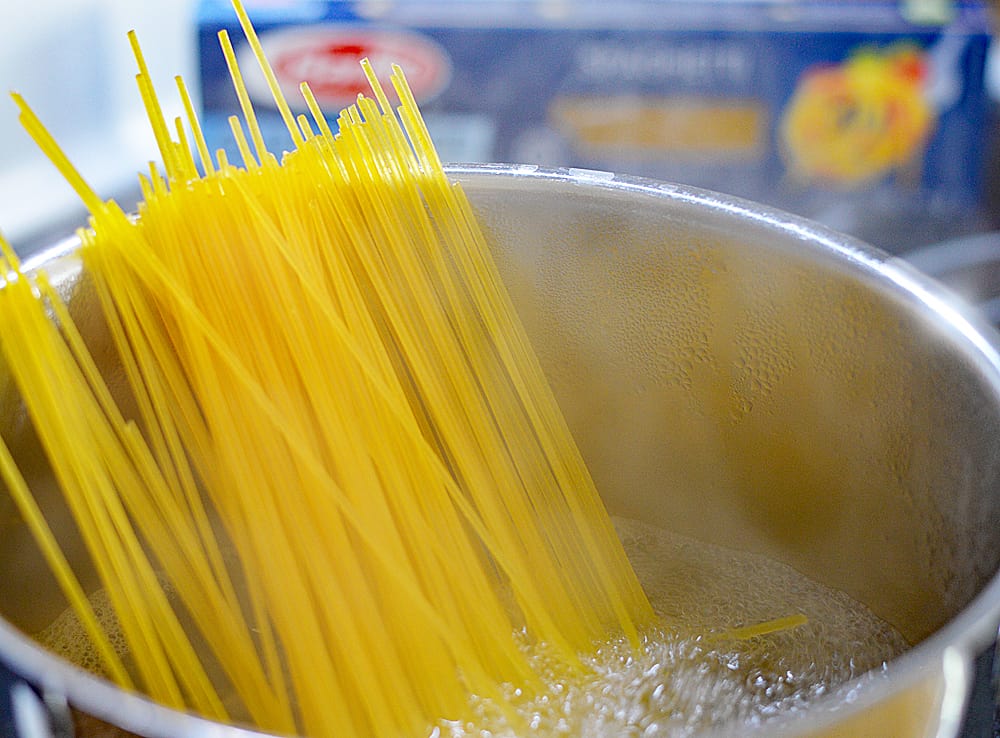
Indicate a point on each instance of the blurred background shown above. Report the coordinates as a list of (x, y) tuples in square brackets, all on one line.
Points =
[(878, 118)]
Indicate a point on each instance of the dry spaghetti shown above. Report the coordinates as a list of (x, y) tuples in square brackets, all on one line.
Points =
[(344, 462)]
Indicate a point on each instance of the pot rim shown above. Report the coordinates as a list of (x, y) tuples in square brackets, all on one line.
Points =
[(948, 652)]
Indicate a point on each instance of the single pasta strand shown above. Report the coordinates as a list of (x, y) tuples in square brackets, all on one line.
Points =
[(43, 139), (184, 154), (272, 81), (317, 114), (241, 143), (244, 97), (192, 118), (154, 111)]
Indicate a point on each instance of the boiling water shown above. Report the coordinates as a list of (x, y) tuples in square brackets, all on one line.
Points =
[(688, 676)]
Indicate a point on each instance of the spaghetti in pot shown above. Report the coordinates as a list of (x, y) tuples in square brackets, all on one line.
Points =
[(347, 494)]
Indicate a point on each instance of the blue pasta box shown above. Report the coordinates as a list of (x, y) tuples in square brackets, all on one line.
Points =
[(854, 113)]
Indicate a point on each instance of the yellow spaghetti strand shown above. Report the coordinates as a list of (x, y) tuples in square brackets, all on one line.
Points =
[(199, 136), (241, 143), (272, 81), (761, 629), (154, 111), (43, 139), (380, 96), (305, 126), (243, 96), (314, 109)]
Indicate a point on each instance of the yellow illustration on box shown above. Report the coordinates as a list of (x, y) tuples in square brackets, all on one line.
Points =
[(848, 125)]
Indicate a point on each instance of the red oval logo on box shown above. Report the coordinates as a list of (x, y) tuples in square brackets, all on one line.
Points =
[(329, 59)]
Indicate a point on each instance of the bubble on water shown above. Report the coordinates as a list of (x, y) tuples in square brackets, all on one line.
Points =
[(66, 636)]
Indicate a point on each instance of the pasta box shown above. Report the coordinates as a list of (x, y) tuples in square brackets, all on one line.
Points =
[(841, 111)]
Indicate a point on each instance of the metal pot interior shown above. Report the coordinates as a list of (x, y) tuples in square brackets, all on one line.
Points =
[(731, 375)]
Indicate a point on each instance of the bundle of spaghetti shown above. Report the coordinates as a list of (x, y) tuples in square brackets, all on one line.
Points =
[(347, 496)]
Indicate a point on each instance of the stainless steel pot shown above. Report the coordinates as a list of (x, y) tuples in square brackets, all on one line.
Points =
[(733, 374)]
